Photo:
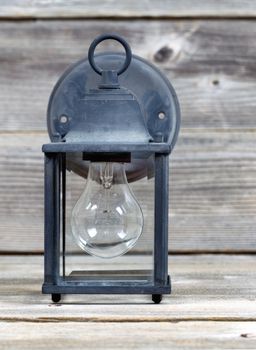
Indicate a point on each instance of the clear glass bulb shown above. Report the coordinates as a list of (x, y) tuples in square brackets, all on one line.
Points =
[(106, 220)]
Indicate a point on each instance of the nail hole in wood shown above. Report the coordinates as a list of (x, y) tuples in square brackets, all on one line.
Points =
[(215, 82)]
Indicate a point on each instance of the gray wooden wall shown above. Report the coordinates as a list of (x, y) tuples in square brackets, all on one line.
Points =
[(208, 51)]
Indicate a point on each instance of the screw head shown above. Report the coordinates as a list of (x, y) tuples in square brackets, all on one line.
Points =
[(63, 119), (161, 115)]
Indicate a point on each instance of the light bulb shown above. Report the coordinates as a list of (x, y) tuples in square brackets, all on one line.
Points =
[(107, 220)]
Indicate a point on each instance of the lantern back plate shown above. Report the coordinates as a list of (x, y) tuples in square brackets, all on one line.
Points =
[(153, 91)]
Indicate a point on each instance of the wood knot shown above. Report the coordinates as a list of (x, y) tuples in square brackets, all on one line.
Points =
[(163, 54), (215, 82)]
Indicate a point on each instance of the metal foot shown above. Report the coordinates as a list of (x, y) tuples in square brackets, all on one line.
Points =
[(56, 298), (157, 298)]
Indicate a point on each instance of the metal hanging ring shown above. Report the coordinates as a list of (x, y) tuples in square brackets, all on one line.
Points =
[(103, 37)]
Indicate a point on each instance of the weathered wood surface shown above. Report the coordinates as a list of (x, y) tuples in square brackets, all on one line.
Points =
[(212, 190), (210, 63), (212, 67), (115, 335), (204, 287), (16, 9), (212, 306)]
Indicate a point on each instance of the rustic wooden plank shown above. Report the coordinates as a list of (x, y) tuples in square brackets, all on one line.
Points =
[(211, 65), (212, 190), (164, 335), (205, 288), (16, 9)]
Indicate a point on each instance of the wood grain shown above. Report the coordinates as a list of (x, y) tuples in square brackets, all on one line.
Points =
[(210, 63), (115, 335), (16, 9), (212, 306), (205, 288), (212, 190)]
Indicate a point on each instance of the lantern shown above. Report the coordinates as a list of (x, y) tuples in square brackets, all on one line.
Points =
[(113, 119)]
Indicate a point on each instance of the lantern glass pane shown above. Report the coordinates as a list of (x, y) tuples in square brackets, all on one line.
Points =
[(134, 266)]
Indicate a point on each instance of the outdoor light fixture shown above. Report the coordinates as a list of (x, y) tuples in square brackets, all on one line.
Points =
[(113, 120)]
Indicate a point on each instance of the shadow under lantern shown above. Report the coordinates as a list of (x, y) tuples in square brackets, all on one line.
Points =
[(114, 119)]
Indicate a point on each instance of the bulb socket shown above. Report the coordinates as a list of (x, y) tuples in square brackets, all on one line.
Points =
[(108, 157)]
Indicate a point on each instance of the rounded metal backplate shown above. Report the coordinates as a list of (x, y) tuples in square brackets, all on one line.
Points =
[(152, 89)]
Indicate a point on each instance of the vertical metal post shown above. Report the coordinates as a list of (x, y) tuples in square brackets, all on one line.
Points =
[(63, 184), (161, 219), (52, 218)]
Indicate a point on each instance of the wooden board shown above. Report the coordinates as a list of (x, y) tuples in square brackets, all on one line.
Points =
[(212, 192), (204, 288), (134, 335), (210, 63), (210, 60), (16, 9), (212, 306)]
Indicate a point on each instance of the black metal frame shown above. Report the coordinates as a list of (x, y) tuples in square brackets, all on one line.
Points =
[(102, 113), (54, 283)]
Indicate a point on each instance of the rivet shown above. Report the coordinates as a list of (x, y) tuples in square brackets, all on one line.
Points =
[(63, 119), (161, 115)]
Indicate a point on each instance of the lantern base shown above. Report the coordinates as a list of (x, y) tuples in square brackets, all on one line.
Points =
[(65, 286)]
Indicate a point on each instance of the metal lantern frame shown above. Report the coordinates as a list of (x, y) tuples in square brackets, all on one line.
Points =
[(150, 113)]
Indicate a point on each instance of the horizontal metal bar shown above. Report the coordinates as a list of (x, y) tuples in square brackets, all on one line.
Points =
[(78, 288), (104, 273), (63, 147)]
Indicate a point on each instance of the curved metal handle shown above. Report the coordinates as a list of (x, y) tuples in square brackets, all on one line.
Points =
[(103, 37)]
